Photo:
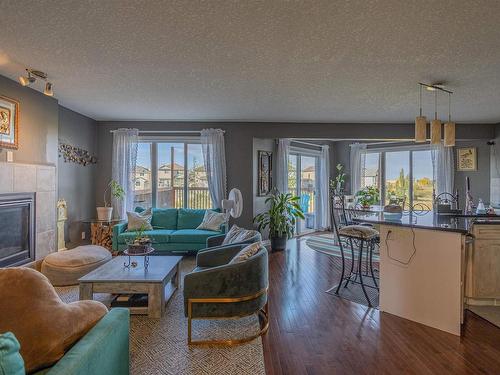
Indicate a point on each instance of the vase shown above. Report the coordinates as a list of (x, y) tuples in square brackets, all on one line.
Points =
[(278, 243), (104, 213)]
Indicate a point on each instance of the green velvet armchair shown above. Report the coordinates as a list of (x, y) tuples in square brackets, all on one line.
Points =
[(218, 289)]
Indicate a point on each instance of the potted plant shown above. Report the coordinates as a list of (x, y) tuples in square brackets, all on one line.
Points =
[(367, 196), (284, 209), (116, 191), (337, 184), (141, 244)]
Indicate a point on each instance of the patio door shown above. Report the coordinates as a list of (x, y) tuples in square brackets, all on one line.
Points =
[(302, 182)]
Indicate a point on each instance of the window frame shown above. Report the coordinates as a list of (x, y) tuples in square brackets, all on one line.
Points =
[(154, 141), (382, 150)]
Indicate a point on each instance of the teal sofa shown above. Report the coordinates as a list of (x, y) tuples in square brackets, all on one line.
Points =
[(103, 350), (174, 231)]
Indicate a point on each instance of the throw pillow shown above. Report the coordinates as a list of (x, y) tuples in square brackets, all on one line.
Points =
[(212, 220), (237, 234), (45, 326), (139, 220), (246, 253), (11, 362)]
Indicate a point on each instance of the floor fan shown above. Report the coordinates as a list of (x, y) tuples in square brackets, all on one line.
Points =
[(233, 205)]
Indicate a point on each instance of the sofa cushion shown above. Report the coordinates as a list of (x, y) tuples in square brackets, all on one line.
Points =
[(66, 267), (237, 234), (45, 326), (212, 220), (246, 253), (164, 218), (139, 220), (157, 236), (192, 235), (189, 218), (11, 362)]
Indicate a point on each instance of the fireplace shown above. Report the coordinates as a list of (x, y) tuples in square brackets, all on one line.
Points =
[(17, 229)]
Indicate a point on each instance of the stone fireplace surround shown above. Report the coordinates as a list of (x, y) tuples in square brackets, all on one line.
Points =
[(41, 180)]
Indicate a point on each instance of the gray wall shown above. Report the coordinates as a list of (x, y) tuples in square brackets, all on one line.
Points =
[(77, 182), (239, 144), (38, 124)]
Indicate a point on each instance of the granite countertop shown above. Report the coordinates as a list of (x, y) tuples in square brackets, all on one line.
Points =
[(426, 220)]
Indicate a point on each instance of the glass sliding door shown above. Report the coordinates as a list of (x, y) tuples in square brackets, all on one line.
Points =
[(142, 176), (171, 174), (422, 178), (302, 182), (397, 177)]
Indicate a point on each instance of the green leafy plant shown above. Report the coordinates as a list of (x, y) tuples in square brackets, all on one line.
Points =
[(116, 191), (282, 215), (367, 196), (337, 184)]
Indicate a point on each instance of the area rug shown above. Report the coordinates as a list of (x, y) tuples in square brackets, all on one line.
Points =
[(323, 243), (159, 346), (490, 313)]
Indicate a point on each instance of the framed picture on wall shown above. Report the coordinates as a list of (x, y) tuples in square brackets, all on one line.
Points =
[(265, 160), (9, 122), (467, 159)]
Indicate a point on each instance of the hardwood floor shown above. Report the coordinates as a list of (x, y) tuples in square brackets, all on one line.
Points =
[(312, 332)]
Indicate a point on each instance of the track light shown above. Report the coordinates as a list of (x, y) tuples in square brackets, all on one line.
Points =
[(48, 89), (27, 80), (32, 76)]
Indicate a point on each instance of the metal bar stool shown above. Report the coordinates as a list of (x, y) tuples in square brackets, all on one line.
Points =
[(364, 237)]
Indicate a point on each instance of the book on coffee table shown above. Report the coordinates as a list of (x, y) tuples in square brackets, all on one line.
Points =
[(130, 300)]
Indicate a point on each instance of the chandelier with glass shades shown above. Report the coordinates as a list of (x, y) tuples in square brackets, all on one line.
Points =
[(436, 125)]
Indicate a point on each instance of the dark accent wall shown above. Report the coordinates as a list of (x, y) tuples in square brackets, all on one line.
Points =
[(239, 144), (38, 124), (77, 182)]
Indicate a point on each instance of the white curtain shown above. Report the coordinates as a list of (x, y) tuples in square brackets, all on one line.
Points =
[(357, 165), (323, 221), (214, 156), (443, 167), (282, 165), (125, 142)]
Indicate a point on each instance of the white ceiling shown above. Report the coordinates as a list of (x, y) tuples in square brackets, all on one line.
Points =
[(324, 61)]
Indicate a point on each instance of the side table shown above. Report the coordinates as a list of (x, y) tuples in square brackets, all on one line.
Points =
[(101, 232)]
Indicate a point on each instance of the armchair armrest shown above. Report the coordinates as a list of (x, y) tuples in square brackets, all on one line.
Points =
[(229, 280), (117, 229), (215, 240), (217, 256), (103, 350)]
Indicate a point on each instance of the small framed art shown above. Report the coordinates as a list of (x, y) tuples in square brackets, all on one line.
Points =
[(467, 159), (9, 123)]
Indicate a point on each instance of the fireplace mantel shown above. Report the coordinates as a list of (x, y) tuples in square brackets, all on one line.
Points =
[(41, 180)]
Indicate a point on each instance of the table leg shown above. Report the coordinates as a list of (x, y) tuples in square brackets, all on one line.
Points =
[(86, 291), (176, 279), (156, 300)]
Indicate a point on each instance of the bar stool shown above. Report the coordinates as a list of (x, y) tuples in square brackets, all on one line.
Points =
[(364, 237)]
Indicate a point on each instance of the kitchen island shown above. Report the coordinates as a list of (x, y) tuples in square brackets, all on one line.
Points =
[(423, 262)]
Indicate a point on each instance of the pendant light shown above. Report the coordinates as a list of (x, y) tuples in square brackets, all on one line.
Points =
[(449, 127), (420, 123), (435, 124)]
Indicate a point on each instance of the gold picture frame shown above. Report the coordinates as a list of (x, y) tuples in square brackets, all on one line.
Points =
[(9, 123), (466, 159)]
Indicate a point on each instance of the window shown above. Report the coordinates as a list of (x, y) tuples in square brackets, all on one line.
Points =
[(402, 175), (180, 179)]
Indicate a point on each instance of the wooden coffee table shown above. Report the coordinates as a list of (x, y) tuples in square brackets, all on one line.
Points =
[(113, 277)]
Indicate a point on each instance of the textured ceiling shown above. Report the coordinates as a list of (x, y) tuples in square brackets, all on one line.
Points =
[(321, 61)]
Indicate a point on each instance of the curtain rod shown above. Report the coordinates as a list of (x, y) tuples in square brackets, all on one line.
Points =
[(306, 143), (168, 131)]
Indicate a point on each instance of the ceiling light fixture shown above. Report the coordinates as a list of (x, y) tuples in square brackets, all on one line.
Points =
[(48, 89), (449, 127), (436, 125), (32, 76), (420, 123)]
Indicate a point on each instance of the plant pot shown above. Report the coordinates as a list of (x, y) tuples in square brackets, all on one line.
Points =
[(104, 213), (278, 243)]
